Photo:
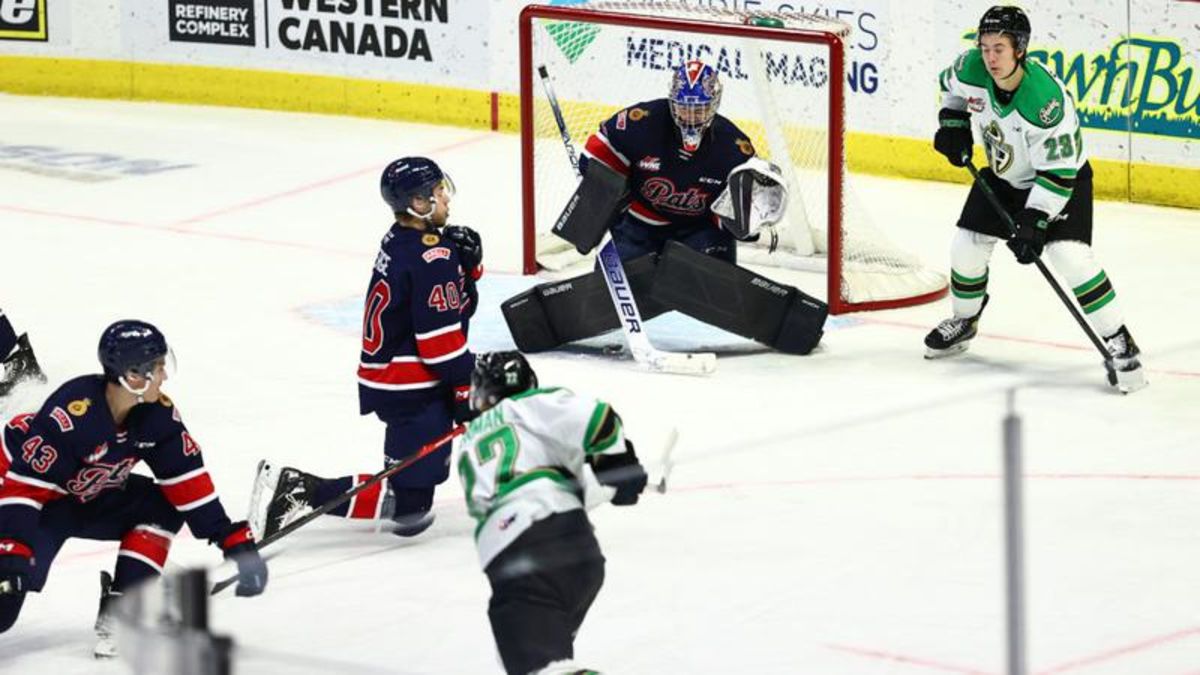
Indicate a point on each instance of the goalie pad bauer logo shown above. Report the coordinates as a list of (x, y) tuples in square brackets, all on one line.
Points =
[(23, 20), (221, 22)]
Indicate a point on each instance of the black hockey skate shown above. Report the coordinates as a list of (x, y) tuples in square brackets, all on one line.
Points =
[(280, 496), (20, 366), (953, 335), (106, 620), (412, 524), (1127, 375)]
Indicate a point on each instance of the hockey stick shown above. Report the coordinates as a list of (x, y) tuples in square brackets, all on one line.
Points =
[(618, 283), (424, 451), (1109, 366), (665, 462)]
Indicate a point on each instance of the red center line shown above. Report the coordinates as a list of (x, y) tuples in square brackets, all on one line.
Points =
[(1118, 652), (908, 660)]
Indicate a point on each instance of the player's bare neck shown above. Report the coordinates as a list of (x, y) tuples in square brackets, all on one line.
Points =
[(120, 402), (419, 224)]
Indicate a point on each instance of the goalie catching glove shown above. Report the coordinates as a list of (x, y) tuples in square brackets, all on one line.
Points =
[(755, 197)]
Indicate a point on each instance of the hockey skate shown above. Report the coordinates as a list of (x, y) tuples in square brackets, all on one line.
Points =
[(953, 335), (1128, 375), (412, 524), (280, 496), (106, 620), (20, 366)]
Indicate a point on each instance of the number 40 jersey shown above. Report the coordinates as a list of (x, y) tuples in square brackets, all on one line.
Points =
[(1033, 141)]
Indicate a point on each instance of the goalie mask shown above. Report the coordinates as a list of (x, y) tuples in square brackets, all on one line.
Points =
[(755, 197), (694, 99), (497, 376)]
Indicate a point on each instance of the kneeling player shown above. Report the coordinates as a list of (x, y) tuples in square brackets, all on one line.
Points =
[(16, 358), (534, 539), (69, 476)]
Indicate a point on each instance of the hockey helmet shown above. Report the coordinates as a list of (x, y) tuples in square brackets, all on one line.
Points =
[(497, 376), (410, 177), (132, 346), (1007, 20), (694, 99)]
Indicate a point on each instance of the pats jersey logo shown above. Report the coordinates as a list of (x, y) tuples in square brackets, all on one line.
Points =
[(92, 480)]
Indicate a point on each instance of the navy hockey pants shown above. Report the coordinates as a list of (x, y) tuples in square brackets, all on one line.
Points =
[(108, 517), (635, 239)]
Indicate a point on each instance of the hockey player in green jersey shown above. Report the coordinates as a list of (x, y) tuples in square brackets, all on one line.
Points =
[(530, 464), (1038, 167)]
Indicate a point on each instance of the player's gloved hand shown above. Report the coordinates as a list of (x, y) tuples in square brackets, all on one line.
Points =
[(460, 404), (16, 562), (953, 137), (1030, 238), (239, 546), (623, 472), (470, 248)]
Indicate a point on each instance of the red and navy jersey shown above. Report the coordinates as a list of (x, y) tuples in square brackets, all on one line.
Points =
[(414, 346), (668, 185), (73, 449)]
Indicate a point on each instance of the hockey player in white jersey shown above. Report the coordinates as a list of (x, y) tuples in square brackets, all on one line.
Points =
[(1038, 167), (529, 464)]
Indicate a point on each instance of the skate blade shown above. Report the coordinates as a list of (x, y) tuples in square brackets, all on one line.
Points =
[(931, 353), (265, 479), (1131, 381), (105, 650)]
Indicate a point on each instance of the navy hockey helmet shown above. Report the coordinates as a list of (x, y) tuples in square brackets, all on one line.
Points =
[(410, 177), (694, 98), (1007, 20), (131, 346), (497, 376)]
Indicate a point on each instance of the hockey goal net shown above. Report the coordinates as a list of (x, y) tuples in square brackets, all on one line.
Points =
[(783, 76)]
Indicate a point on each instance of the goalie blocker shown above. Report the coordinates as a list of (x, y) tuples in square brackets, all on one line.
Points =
[(713, 291)]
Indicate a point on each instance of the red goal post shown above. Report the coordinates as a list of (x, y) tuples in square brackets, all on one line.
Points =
[(817, 236)]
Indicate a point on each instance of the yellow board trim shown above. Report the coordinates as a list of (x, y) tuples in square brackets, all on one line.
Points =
[(866, 153)]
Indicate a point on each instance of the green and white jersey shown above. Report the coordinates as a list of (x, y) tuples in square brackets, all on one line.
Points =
[(1033, 141), (523, 460)]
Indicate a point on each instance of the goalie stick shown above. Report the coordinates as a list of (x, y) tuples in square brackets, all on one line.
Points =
[(1109, 366), (645, 353), (665, 464), (424, 451)]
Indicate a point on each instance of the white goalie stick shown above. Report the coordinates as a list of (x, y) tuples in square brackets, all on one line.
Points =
[(619, 289), (665, 463)]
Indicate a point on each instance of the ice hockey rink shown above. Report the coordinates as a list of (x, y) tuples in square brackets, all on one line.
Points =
[(836, 513)]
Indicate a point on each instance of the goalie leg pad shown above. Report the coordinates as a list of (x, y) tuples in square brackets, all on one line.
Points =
[(555, 313), (598, 202), (737, 300)]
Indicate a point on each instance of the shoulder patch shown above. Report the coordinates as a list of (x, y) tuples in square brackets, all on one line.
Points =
[(430, 239), (638, 114), (621, 116), (62, 419), (165, 400), (439, 253), (79, 407), (1051, 113), (745, 146)]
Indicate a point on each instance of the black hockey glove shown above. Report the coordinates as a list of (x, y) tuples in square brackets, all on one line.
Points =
[(239, 547), (1030, 238), (470, 247), (953, 138), (460, 404), (16, 562), (623, 472)]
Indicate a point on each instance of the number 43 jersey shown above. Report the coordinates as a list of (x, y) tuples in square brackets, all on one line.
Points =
[(523, 461), (1033, 141)]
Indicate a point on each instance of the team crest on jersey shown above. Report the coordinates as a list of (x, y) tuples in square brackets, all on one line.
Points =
[(1000, 154), (439, 253), (430, 239), (650, 163), (79, 407), (92, 480), (745, 147), (638, 114), (1051, 113), (975, 104)]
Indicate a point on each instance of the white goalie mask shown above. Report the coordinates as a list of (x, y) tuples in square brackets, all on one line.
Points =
[(755, 197)]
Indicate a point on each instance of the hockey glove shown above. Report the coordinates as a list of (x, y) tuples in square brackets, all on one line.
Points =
[(16, 562), (470, 248), (460, 404), (622, 472), (953, 138), (1030, 238), (239, 547)]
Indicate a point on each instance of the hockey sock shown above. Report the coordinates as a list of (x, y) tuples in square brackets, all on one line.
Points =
[(1075, 262), (969, 255), (8, 337), (364, 505), (142, 555)]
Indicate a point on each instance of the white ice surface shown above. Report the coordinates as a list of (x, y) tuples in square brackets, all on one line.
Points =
[(837, 513)]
